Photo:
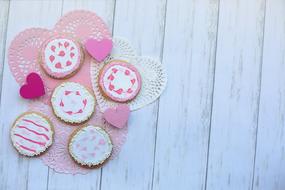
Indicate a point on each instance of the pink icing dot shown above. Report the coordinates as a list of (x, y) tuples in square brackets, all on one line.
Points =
[(68, 63), (67, 92), (120, 91), (61, 53), (102, 142), (133, 81), (111, 77), (53, 48), (58, 65), (85, 102), (111, 87), (127, 72), (51, 58), (114, 70), (66, 44)]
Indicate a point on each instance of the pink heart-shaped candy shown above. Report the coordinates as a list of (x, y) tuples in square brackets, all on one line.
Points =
[(33, 88), (99, 50), (118, 116)]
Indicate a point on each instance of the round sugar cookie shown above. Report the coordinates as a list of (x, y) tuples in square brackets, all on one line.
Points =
[(61, 57), (32, 134), (90, 146), (120, 81), (72, 102)]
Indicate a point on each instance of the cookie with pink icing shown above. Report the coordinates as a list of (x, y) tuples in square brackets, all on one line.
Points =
[(61, 57), (120, 81), (72, 102), (90, 146), (32, 134)]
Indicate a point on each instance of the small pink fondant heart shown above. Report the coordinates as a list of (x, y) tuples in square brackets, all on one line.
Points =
[(118, 117), (99, 50), (34, 87)]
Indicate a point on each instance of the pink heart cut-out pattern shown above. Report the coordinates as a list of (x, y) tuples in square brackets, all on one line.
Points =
[(29, 42), (22, 59)]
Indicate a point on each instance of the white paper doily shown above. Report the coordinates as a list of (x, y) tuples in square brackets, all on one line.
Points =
[(153, 76)]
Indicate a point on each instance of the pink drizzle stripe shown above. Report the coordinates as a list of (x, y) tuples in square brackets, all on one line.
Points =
[(35, 124), (26, 148), (36, 142), (35, 132)]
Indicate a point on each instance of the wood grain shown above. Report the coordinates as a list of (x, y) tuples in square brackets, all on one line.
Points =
[(4, 14), (92, 180), (219, 124), (185, 107), (19, 172), (145, 32), (270, 155), (236, 95)]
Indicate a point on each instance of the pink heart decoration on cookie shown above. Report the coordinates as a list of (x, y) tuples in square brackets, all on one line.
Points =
[(118, 116), (99, 50), (33, 88)]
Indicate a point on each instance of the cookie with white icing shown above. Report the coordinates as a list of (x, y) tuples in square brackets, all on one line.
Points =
[(61, 57), (120, 81), (90, 146), (32, 134), (72, 102)]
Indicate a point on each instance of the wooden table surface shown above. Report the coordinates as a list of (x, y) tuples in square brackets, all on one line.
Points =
[(220, 123)]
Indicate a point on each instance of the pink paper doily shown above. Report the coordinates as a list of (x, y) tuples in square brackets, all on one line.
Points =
[(24, 51), (57, 156), (23, 58)]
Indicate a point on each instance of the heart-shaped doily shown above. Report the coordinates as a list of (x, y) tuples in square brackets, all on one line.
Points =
[(152, 73)]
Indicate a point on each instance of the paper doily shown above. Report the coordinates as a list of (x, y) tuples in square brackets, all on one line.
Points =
[(23, 58), (153, 76), (24, 51), (57, 156)]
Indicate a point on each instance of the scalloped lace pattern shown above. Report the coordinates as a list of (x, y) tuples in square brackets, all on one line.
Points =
[(57, 156), (24, 58), (153, 76)]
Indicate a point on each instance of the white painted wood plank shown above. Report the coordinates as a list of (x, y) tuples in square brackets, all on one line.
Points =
[(236, 95), (185, 107), (142, 23), (92, 180), (270, 155), (4, 13), (18, 172)]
